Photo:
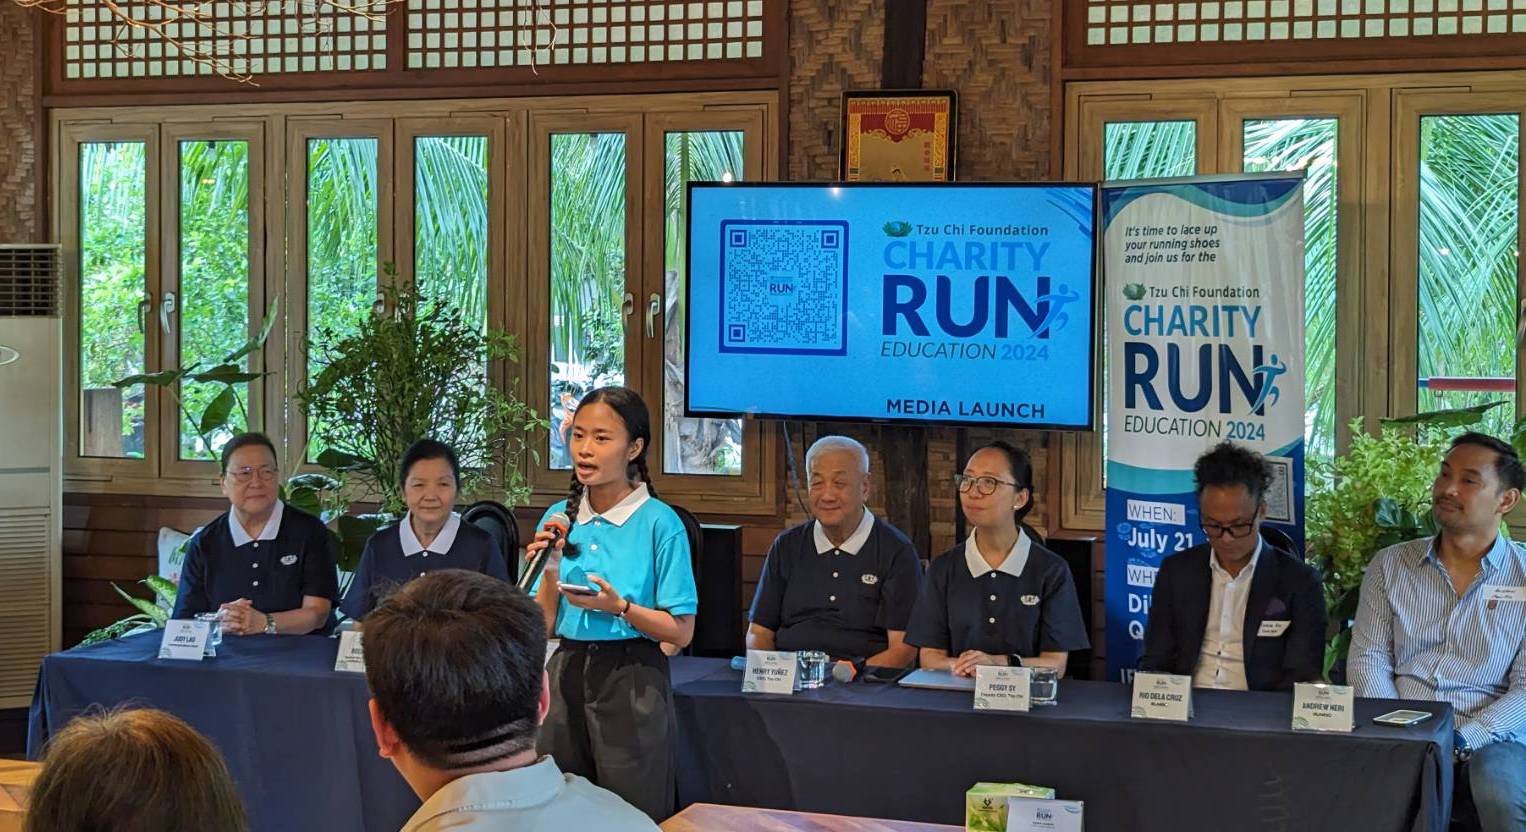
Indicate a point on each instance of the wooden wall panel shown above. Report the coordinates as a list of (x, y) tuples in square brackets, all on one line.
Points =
[(20, 129)]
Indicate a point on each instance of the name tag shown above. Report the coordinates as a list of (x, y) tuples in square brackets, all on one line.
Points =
[(1505, 593), (1162, 696), (1001, 688), (185, 640), (351, 658), (1272, 629), (1320, 707), (769, 671), (1032, 814)]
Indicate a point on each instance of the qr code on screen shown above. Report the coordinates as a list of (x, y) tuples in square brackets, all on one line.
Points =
[(784, 287)]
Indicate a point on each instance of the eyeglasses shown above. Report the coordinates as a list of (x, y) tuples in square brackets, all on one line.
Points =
[(1236, 530), (247, 473), (984, 486)]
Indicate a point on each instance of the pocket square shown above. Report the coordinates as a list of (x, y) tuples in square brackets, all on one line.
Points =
[(1275, 608)]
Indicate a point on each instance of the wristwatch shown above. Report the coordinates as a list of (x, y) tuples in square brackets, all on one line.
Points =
[(1014, 660), (270, 624), (1461, 751)]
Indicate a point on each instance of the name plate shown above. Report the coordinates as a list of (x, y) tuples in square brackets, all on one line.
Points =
[(1320, 707), (184, 639), (1001, 688), (1505, 593), (769, 671), (351, 658), (1162, 696), (1032, 814)]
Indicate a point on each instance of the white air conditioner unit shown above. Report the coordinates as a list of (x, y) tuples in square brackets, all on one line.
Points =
[(31, 460)]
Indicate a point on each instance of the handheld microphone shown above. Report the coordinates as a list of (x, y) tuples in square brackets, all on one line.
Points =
[(558, 525), (845, 671)]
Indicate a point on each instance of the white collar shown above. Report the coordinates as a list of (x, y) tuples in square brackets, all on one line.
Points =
[(272, 527), (854, 542), (516, 789), (442, 541), (1016, 559), (619, 512), (1214, 567)]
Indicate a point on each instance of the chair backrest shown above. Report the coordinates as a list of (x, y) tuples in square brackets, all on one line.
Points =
[(1280, 539), (496, 519)]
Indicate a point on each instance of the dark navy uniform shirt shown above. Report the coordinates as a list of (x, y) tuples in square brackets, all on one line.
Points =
[(1026, 606), (393, 557), (842, 600), (293, 556)]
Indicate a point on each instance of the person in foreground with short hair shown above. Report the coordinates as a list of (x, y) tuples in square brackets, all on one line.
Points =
[(268, 567), (1443, 618), (1000, 598), (430, 537), (845, 582), (456, 665), (132, 771), (1238, 612)]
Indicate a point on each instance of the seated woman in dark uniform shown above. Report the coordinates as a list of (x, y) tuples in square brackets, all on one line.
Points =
[(268, 566), (430, 537), (999, 598)]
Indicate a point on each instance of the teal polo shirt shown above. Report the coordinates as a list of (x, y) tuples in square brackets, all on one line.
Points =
[(641, 548)]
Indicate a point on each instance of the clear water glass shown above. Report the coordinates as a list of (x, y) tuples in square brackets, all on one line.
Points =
[(215, 630), (812, 670), (1043, 686)]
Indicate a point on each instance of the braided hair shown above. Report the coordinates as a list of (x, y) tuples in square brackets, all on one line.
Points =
[(628, 405)]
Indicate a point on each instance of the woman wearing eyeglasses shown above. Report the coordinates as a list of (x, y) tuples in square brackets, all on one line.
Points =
[(999, 598), (267, 566)]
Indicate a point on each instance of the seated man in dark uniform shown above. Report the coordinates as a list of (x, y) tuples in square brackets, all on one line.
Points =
[(267, 566), (843, 583), (1238, 612)]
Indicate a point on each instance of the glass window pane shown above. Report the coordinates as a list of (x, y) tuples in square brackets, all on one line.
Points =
[(1142, 150), (587, 274), (1309, 144), (691, 446), (450, 222), (341, 245), (1148, 149), (214, 285), (113, 228), (1469, 217)]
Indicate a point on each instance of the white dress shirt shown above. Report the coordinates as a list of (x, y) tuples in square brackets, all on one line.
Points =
[(536, 798), (1221, 664)]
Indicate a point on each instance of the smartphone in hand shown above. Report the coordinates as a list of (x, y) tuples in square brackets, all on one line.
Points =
[(577, 589)]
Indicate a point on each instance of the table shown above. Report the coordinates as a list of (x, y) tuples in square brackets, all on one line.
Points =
[(708, 817), (296, 734), (888, 751), (16, 778)]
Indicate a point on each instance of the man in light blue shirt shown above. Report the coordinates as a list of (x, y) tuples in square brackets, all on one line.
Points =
[(455, 662), (1444, 619)]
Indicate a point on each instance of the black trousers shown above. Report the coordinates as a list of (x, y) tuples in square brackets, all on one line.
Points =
[(612, 719)]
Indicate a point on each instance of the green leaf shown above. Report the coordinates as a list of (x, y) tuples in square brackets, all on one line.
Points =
[(148, 608), (1458, 417), (336, 460), (114, 630), (1518, 438), (164, 589), (163, 378), (354, 530), (226, 374), (258, 341), (313, 482), (215, 417)]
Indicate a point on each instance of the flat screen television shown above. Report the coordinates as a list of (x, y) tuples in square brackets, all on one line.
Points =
[(967, 303)]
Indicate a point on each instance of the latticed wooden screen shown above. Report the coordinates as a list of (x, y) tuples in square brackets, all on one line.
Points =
[(1116, 22)]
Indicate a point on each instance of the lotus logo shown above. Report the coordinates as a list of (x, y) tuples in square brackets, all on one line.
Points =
[(1134, 291), (897, 229), (8, 355)]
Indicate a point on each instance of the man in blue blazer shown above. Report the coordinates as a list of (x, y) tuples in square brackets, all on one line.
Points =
[(1242, 611)]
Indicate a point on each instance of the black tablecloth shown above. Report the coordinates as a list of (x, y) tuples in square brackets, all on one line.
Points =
[(296, 734), (892, 752)]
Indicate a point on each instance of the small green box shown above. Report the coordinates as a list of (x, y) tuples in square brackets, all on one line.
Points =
[(985, 804)]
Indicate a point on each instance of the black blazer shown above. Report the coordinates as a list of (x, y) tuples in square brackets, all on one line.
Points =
[(1284, 588)]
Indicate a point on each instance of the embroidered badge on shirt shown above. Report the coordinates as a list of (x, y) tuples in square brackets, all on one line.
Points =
[(1029, 600), (870, 579), (288, 560)]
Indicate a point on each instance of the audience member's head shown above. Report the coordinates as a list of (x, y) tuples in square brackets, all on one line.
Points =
[(837, 469), (456, 664), (133, 771)]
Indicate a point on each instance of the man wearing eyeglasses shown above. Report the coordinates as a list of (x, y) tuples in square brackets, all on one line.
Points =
[(267, 567), (843, 583), (1239, 612)]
